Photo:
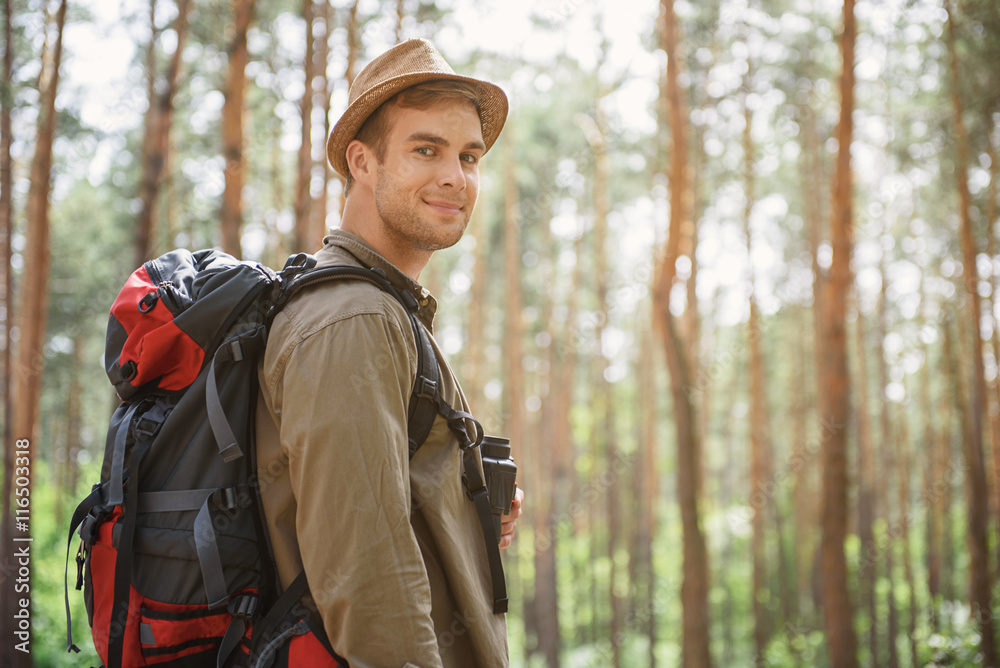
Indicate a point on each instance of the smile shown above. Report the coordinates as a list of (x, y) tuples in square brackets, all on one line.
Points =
[(444, 207)]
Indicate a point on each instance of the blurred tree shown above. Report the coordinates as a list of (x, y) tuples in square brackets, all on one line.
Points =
[(980, 581), (866, 494), (759, 424), (354, 45), (33, 295), (694, 589), (231, 215), (7, 598), (321, 207), (65, 469), (7, 286), (549, 433), (889, 466), (303, 238), (159, 117), (604, 431), (6, 230), (835, 398), (991, 306), (649, 515)]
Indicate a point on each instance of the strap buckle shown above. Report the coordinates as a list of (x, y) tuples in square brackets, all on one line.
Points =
[(243, 605), (150, 422), (426, 388), (90, 524)]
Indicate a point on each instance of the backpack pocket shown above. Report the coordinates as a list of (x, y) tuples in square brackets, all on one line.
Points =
[(168, 632)]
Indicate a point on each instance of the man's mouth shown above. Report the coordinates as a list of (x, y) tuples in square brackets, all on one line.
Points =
[(444, 206)]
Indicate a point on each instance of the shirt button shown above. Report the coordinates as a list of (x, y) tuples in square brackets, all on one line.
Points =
[(423, 302)]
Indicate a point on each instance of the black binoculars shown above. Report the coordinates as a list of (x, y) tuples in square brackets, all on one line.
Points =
[(501, 477)]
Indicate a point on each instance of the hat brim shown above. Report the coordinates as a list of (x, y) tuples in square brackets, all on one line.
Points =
[(492, 111)]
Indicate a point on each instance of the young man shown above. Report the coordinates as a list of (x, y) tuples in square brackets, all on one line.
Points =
[(393, 548)]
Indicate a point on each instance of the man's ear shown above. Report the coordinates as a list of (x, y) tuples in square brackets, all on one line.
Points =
[(361, 162)]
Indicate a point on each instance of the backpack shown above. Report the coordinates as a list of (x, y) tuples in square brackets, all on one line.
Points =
[(175, 559)]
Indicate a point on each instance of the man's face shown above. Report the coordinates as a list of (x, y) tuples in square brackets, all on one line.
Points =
[(427, 185)]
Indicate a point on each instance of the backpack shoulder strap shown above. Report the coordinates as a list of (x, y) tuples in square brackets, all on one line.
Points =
[(423, 408)]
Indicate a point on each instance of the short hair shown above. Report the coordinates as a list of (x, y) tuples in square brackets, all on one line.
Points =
[(375, 130)]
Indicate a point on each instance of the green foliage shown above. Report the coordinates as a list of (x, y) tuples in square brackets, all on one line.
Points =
[(51, 508)]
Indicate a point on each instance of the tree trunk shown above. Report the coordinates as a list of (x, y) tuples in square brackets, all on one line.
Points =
[(34, 293), (144, 234), (303, 196), (400, 14), (156, 144), (474, 352), (803, 491), (866, 495), (694, 588), (277, 241), (980, 580), (67, 479), (903, 461), (232, 130), (953, 432), (732, 486), (759, 420), (567, 487), (649, 453), (353, 53), (8, 598), (353, 45), (994, 411), (931, 494), (605, 390), (321, 207), (889, 465), (810, 473), (514, 329), (836, 400), (551, 429)]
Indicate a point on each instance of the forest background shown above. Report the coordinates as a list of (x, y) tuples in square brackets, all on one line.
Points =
[(730, 289)]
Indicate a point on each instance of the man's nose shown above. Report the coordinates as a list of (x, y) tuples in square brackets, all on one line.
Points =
[(452, 174)]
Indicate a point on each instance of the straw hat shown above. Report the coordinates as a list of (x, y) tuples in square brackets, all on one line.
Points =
[(404, 65)]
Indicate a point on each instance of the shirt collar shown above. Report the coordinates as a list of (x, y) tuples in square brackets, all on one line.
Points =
[(371, 258)]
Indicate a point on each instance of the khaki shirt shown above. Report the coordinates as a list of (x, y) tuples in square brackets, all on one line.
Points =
[(393, 549)]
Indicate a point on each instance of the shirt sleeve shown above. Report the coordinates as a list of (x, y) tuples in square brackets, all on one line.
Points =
[(342, 395)]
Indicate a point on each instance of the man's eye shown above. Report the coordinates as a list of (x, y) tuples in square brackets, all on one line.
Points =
[(470, 158), (424, 150)]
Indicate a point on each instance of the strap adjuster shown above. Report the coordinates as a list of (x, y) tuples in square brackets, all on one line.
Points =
[(226, 498), (150, 422), (244, 605), (146, 427), (426, 388), (88, 529)]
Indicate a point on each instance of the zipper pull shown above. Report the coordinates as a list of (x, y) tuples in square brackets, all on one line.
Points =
[(80, 561)]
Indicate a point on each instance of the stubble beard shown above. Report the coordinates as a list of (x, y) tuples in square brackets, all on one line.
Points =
[(406, 225)]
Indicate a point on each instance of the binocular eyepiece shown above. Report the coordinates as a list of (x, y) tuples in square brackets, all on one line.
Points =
[(501, 477)]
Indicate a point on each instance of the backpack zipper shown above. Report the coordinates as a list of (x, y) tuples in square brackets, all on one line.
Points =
[(166, 289)]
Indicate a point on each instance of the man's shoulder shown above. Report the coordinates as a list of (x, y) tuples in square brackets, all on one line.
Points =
[(320, 306)]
